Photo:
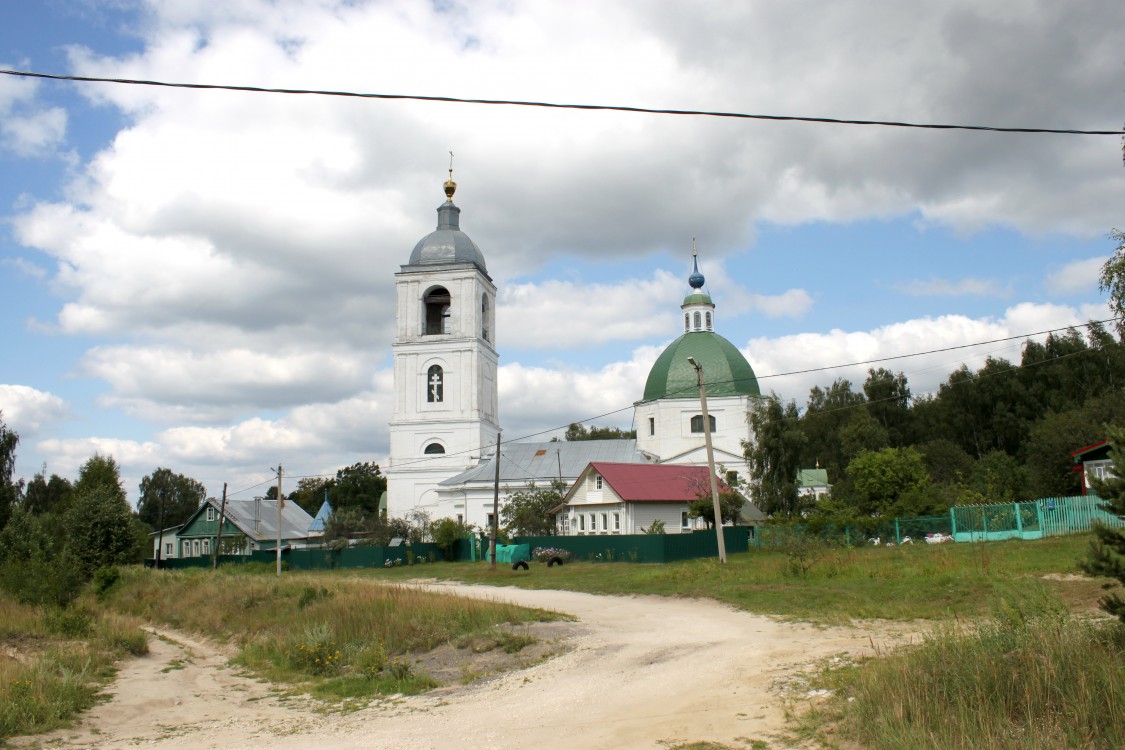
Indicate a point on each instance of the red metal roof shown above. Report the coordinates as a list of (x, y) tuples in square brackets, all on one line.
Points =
[(656, 482), (1081, 451)]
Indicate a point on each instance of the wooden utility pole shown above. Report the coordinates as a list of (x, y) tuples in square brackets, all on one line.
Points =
[(160, 532), (495, 503), (280, 505), (710, 460), (219, 534)]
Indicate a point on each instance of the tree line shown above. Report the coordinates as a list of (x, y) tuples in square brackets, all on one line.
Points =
[(1001, 433)]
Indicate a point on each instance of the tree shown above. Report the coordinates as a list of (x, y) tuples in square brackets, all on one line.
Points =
[(1112, 279), (311, 493), (526, 511), (358, 486), (881, 478), (576, 431), (730, 507), (888, 401), (99, 472), (447, 532), (826, 413), (9, 490), (999, 477), (169, 499), (774, 456), (43, 496), (100, 529), (1106, 556)]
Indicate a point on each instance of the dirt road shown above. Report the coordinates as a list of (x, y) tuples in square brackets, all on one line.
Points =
[(635, 672)]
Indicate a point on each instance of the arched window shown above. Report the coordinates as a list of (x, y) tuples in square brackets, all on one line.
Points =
[(697, 320), (435, 385), (697, 422), (437, 304), (687, 321), (434, 449), (708, 321), (484, 317)]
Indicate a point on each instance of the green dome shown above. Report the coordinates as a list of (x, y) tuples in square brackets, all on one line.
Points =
[(725, 371)]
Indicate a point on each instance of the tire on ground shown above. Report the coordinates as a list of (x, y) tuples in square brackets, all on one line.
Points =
[(521, 565), (554, 561)]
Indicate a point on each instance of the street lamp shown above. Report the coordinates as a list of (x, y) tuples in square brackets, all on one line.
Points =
[(710, 460)]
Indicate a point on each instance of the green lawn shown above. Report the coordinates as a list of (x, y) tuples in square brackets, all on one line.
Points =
[(920, 581)]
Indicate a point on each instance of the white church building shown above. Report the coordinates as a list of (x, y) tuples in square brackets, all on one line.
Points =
[(445, 423)]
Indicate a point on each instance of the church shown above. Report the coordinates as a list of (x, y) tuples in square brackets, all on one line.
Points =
[(445, 425)]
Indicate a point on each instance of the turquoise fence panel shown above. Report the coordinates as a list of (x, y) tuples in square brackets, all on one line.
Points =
[(1070, 515), (1051, 516)]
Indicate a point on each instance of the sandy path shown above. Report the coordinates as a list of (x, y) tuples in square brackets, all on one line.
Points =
[(641, 671)]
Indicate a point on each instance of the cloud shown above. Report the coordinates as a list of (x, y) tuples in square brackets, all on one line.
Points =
[(1079, 276), (960, 287), (940, 344), (28, 128), (28, 411)]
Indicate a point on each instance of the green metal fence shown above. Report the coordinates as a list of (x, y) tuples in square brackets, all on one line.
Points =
[(884, 531), (646, 548), (1051, 516)]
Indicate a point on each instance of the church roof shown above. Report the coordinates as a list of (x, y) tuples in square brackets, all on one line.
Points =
[(447, 244), (725, 371), (521, 463), (812, 478)]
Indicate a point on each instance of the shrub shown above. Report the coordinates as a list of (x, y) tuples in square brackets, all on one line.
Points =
[(546, 554)]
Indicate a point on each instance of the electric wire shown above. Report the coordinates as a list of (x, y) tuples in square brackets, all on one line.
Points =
[(694, 389), (559, 105)]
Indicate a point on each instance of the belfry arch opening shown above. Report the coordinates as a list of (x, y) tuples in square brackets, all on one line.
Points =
[(437, 304)]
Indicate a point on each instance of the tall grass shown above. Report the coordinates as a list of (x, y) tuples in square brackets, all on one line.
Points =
[(342, 635), (55, 662), (1031, 677)]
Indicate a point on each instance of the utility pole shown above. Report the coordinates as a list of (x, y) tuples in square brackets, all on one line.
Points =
[(280, 505), (219, 534), (160, 533), (495, 505), (710, 460)]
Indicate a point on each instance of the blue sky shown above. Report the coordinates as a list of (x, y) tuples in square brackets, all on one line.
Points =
[(204, 280)]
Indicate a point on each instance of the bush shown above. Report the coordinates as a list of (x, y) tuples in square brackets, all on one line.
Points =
[(546, 554), (104, 580)]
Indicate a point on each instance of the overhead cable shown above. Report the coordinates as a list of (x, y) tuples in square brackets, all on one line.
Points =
[(558, 105)]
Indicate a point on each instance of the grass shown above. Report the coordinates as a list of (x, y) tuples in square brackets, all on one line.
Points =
[(55, 663), (334, 634), (929, 582), (1032, 677)]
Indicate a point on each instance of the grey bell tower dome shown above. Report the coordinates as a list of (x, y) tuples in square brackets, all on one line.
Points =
[(447, 244)]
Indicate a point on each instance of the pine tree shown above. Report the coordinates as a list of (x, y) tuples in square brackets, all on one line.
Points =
[(1107, 551)]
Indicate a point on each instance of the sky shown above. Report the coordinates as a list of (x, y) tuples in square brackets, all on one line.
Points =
[(204, 280)]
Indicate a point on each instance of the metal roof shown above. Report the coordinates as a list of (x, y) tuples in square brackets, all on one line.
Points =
[(447, 244), (521, 463), (677, 483), (725, 371), (295, 522)]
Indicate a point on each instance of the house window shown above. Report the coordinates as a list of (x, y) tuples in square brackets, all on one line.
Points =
[(169, 547), (435, 385), (652, 425), (195, 548), (206, 546), (488, 523), (593, 522), (617, 522), (685, 522), (581, 522), (460, 518), (437, 305), (605, 522), (211, 514), (598, 482), (186, 548), (697, 422), (434, 449)]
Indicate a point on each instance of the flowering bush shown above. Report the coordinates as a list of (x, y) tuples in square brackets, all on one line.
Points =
[(545, 554)]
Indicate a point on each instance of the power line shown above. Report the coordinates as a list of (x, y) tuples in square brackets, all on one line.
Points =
[(558, 105)]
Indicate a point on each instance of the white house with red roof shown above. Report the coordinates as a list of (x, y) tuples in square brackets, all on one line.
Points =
[(620, 498)]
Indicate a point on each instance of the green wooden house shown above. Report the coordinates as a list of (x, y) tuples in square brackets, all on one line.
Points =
[(248, 525)]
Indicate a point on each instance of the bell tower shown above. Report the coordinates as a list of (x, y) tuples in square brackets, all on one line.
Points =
[(445, 395)]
